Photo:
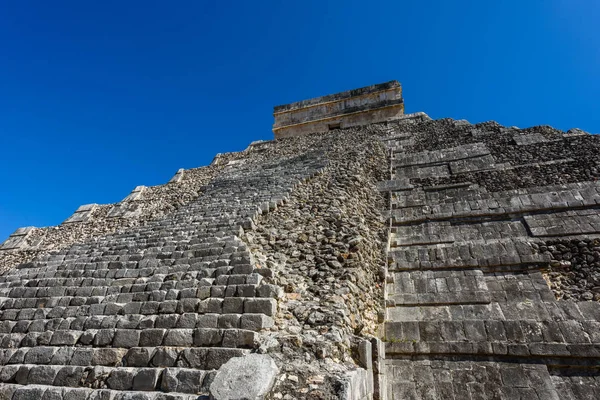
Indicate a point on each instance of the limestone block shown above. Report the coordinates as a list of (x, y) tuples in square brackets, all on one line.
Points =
[(121, 379), (136, 194), (357, 385), (260, 305), (18, 239), (527, 139), (259, 145), (250, 377), (82, 214), (146, 379), (178, 176)]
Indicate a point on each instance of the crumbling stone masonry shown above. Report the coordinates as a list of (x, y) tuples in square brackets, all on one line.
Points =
[(378, 256)]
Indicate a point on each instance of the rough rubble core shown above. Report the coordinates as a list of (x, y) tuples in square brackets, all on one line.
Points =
[(574, 271), (472, 251), (325, 248)]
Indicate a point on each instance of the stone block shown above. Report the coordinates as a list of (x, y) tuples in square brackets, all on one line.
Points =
[(251, 377), (109, 357), (146, 379), (121, 379), (69, 376), (43, 374), (239, 338), (164, 357), (29, 393), (207, 321), (229, 321), (151, 337), (138, 356), (256, 322), (260, 306), (206, 337), (126, 338), (179, 338)]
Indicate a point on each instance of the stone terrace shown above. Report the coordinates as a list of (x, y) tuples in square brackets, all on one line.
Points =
[(475, 215)]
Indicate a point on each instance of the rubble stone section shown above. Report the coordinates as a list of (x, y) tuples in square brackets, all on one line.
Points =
[(489, 227), (367, 105), (324, 246)]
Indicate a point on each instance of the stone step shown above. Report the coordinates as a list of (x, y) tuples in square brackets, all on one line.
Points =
[(205, 358), (100, 270), (497, 349), (581, 384), (178, 380), (437, 287), (23, 297), (106, 277), (493, 337), (564, 223), (432, 282), (24, 392), (227, 305), (466, 191), (447, 232), (498, 207), (441, 156), (448, 378), (513, 287), (50, 276), (429, 299), (127, 338), (475, 254), (528, 310), (253, 322)]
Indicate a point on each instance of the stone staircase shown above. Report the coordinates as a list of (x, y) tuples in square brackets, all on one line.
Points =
[(150, 312)]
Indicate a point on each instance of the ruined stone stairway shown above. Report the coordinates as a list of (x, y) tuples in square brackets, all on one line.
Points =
[(148, 312), (487, 227), (469, 312)]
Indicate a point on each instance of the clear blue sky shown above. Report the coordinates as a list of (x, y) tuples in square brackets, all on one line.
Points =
[(98, 97)]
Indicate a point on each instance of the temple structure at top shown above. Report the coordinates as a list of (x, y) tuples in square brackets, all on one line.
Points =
[(367, 105)]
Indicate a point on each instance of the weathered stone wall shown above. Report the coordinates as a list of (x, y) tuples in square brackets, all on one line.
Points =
[(359, 118), (376, 103), (494, 232)]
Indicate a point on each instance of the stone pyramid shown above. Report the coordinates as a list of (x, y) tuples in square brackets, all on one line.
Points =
[(363, 254)]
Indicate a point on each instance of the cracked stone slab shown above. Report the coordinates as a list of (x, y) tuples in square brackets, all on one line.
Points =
[(250, 377)]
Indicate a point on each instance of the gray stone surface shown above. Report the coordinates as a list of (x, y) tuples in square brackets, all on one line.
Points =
[(490, 286), (485, 214), (250, 377)]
